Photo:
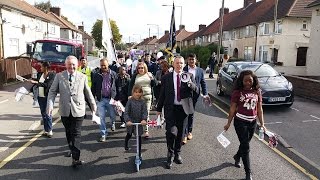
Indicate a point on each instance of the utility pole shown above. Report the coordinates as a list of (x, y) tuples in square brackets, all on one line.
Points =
[(221, 30)]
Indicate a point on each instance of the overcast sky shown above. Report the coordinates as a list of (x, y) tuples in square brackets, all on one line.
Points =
[(132, 16)]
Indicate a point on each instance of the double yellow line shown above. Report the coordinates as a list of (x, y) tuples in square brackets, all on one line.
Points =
[(304, 171)]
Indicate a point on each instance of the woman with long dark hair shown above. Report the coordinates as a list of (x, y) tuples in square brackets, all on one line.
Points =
[(43, 84), (246, 107)]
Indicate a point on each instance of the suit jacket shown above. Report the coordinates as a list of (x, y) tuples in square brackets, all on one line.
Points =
[(72, 98), (97, 80), (167, 95), (199, 80)]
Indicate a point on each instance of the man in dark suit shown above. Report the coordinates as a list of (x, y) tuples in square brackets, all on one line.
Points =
[(200, 82), (176, 98)]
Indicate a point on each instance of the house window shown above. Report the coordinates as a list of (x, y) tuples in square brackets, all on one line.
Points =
[(279, 27), (14, 46), (304, 25), (248, 53), (38, 26), (209, 38), (233, 35), (265, 29), (241, 33), (52, 30), (247, 31), (225, 35), (318, 12), (263, 53)]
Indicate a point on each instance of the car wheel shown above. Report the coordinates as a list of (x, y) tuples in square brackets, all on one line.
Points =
[(219, 89)]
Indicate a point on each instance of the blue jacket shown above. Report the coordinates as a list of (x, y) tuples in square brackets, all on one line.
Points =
[(199, 78)]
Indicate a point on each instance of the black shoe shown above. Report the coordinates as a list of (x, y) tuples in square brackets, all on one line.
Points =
[(76, 163), (126, 146), (169, 161), (68, 154), (248, 176), (236, 161), (177, 159)]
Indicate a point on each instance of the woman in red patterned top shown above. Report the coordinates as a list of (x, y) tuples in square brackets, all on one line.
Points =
[(246, 106)]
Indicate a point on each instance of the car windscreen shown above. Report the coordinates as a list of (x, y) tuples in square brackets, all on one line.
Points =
[(261, 70), (52, 51)]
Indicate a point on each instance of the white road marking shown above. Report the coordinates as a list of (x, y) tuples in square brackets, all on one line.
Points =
[(315, 117), (4, 101), (295, 109), (273, 123), (310, 121)]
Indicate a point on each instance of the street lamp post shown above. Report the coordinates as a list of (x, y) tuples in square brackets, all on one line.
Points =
[(180, 12), (154, 25)]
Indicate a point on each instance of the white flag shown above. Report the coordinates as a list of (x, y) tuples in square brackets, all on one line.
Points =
[(107, 35)]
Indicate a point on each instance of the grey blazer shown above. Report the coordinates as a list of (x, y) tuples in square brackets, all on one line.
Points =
[(72, 98)]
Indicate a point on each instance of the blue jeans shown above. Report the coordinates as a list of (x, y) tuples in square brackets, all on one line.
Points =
[(103, 106), (47, 120)]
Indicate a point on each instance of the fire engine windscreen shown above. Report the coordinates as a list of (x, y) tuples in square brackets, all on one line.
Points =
[(52, 51)]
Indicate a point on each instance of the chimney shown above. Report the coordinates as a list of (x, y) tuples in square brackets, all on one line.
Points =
[(201, 26), (225, 11), (81, 28), (166, 32), (56, 10), (248, 2), (181, 26)]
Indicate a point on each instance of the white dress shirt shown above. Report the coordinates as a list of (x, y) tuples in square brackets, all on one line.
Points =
[(41, 89), (192, 70), (176, 102)]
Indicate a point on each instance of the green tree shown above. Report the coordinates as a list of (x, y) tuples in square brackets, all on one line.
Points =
[(43, 6), (115, 32), (96, 32)]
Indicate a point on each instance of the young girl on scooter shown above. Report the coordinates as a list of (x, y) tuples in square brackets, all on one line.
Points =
[(135, 112)]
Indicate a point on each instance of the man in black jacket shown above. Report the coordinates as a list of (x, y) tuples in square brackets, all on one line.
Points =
[(211, 63), (104, 88), (176, 97)]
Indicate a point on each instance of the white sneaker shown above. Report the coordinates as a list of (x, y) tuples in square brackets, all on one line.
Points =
[(113, 127), (50, 134), (35, 104), (123, 125)]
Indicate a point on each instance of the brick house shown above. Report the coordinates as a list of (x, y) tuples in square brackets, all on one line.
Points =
[(181, 35), (68, 31), (251, 33), (313, 60)]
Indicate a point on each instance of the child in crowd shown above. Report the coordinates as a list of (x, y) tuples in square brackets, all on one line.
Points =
[(246, 107), (136, 112)]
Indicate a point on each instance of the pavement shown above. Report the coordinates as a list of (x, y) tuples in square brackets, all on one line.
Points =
[(17, 119), (30, 156)]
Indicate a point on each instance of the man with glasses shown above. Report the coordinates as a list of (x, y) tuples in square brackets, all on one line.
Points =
[(104, 88)]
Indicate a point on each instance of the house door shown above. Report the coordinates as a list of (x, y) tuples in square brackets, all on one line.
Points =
[(301, 56), (235, 53), (275, 55)]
